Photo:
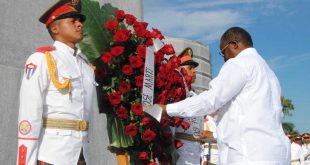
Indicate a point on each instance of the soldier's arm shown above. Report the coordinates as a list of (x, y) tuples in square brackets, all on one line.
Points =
[(33, 87)]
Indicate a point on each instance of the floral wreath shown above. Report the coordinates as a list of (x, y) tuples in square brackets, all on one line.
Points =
[(118, 49)]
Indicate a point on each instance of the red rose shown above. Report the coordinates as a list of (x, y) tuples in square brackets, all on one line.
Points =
[(137, 109), (168, 49), (124, 87), (141, 51), (131, 130), (146, 121), (148, 42), (139, 81), (165, 121), (148, 136), (130, 19), (157, 34), (178, 143), (141, 32), (177, 122), (127, 70), (161, 99), (111, 25), (106, 57), (120, 15), (115, 98), (138, 24), (158, 57), (136, 61), (185, 125), (180, 91), (117, 50), (143, 156), (175, 61), (152, 163), (121, 112), (121, 36)]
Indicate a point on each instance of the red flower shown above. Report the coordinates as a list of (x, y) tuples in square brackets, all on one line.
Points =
[(148, 42), (139, 81), (136, 61), (178, 143), (115, 98), (141, 50), (148, 136), (165, 121), (152, 163), (111, 24), (177, 121), (127, 70), (158, 57), (157, 34), (121, 35), (146, 121), (130, 19), (143, 156), (161, 99), (120, 15), (106, 57), (185, 125), (131, 130), (138, 24), (168, 49), (117, 50), (141, 32), (121, 112), (137, 109), (124, 87)]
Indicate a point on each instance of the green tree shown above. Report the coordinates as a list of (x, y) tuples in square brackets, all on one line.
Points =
[(288, 108)]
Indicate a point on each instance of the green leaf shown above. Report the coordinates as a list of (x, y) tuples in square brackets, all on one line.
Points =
[(97, 38)]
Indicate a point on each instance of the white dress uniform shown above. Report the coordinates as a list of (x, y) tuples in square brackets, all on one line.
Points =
[(296, 154), (190, 151), (210, 125), (248, 93), (306, 153), (39, 99)]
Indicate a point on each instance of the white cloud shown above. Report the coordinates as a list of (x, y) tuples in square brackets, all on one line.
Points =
[(279, 63), (204, 26)]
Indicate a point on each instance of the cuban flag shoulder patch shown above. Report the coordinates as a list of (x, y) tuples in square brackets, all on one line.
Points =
[(30, 69)]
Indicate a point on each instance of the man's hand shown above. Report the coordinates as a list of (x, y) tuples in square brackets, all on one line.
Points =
[(163, 108), (206, 135)]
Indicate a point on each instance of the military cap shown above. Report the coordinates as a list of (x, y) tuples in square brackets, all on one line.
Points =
[(62, 9), (186, 57)]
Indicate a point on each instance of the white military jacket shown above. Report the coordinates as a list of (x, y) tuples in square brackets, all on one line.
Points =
[(249, 129), (39, 99)]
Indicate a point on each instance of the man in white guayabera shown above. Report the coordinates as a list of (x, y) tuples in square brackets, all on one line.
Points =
[(247, 93)]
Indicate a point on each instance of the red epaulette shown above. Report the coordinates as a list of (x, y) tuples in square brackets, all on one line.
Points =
[(44, 49)]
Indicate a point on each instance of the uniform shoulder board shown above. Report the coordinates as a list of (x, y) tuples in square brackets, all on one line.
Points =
[(44, 49)]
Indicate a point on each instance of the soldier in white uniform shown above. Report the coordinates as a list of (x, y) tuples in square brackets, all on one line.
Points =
[(210, 127), (56, 94), (297, 157), (306, 148), (190, 151), (247, 93)]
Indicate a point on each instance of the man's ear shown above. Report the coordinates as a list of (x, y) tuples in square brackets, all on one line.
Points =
[(54, 28)]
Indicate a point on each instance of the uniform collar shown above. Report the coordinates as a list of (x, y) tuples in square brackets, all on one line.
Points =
[(66, 48)]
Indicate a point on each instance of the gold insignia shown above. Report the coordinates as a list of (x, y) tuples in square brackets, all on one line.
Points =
[(24, 127)]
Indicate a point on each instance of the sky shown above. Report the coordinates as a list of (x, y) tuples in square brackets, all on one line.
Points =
[(279, 29)]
